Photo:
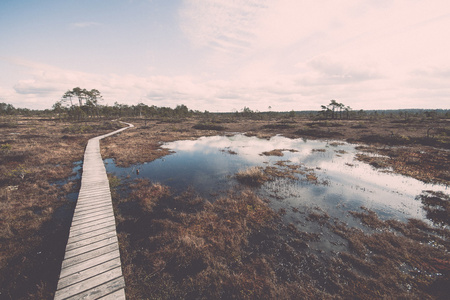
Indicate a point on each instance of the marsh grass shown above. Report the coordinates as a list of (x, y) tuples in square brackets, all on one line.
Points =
[(253, 176), (184, 247), (437, 206), (425, 164), (194, 249), (405, 260), (256, 176), (278, 152)]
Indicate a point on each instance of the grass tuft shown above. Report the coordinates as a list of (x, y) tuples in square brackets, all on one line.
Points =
[(253, 176)]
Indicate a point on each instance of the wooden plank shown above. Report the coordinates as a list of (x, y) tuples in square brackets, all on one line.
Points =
[(91, 247), (88, 264), (88, 273), (120, 294), (94, 287), (88, 218), (97, 190), (80, 237), (89, 255), (94, 211), (84, 230), (88, 227), (94, 217), (94, 201), (92, 205), (90, 240)]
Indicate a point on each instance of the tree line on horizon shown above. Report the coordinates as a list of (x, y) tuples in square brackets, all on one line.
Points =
[(80, 104)]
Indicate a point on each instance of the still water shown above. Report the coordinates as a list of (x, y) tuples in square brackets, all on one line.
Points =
[(209, 163)]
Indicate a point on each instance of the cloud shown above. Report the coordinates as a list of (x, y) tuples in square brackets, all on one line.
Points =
[(325, 71), (33, 87), (221, 25)]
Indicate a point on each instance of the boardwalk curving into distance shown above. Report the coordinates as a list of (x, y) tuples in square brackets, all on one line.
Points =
[(91, 268)]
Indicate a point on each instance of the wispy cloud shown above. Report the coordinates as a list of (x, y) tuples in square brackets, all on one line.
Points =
[(222, 25)]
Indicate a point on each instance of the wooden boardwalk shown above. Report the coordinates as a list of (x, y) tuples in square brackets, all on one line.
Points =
[(91, 268)]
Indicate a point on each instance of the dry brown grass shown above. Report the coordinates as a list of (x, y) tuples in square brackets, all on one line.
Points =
[(183, 247), (406, 260), (275, 152), (187, 248), (253, 176)]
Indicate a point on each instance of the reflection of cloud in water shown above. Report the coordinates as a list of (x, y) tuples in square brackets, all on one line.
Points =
[(249, 148), (206, 166)]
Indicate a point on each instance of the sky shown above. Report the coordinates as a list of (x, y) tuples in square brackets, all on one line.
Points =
[(224, 55)]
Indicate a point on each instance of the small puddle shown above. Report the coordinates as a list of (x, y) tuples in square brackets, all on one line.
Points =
[(65, 211)]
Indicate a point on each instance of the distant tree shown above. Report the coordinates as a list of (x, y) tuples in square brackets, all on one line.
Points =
[(181, 111), (292, 114), (58, 108), (79, 93), (93, 97), (67, 97), (247, 112), (325, 110), (85, 97), (6, 109), (332, 107), (347, 111), (361, 113)]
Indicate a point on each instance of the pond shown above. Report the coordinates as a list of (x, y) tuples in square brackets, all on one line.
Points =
[(343, 184)]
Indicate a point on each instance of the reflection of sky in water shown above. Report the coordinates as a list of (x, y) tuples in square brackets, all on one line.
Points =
[(206, 165)]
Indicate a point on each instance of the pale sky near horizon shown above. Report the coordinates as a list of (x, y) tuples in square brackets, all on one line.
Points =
[(222, 55)]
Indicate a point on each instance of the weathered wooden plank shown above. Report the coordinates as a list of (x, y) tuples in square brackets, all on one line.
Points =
[(84, 203), (90, 255), (97, 286), (89, 206), (88, 264), (90, 218), (87, 218), (91, 196), (86, 198), (80, 237), (120, 294), (94, 208), (90, 240), (79, 231), (92, 205), (88, 248), (88, 273), (85, 215), (101, 223), (98, 189)]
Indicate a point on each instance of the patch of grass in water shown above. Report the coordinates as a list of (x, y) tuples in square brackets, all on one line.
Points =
[(253, 176)]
